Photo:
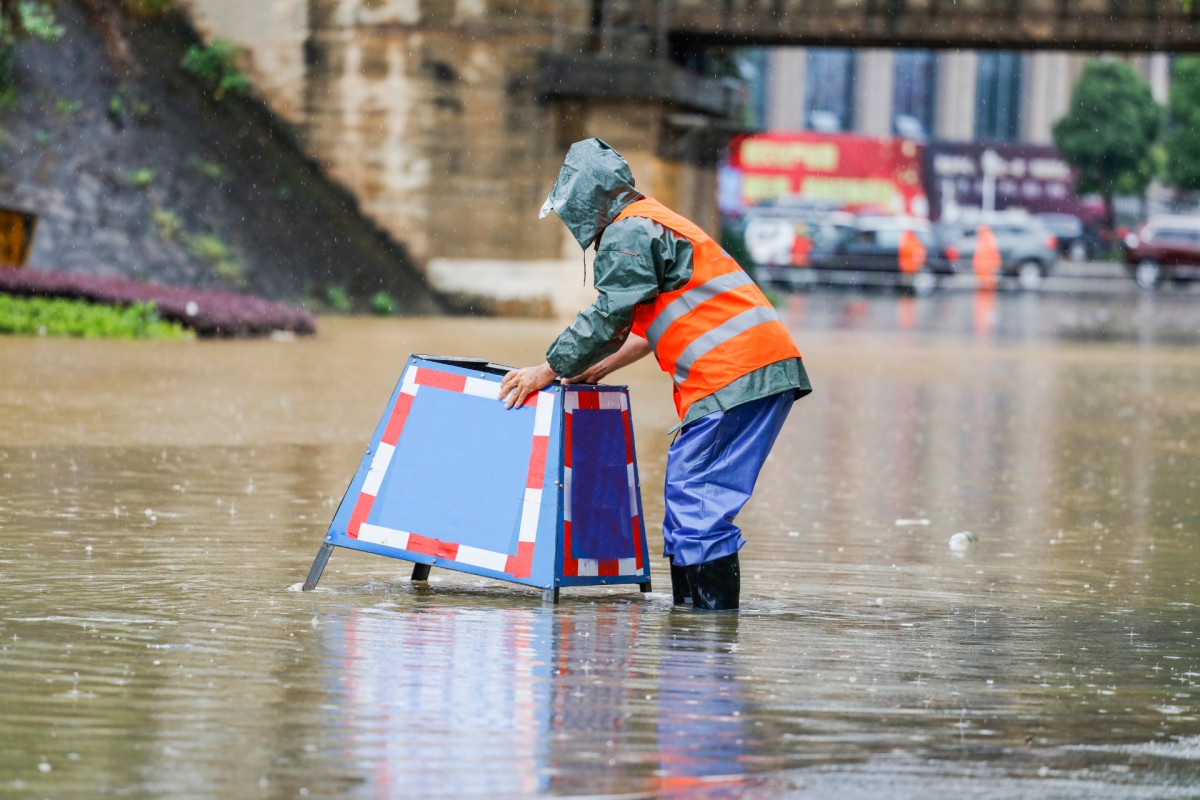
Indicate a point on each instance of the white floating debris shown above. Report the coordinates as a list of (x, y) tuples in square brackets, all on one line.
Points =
[(962, 540), (909, 523)]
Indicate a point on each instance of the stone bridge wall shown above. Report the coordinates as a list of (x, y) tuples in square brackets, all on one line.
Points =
[(431, 114)]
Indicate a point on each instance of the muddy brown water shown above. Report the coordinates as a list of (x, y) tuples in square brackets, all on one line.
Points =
[(160, 503)]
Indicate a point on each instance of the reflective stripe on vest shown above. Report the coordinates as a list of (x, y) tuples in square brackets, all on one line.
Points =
[(707, 342), (692, 298), (714, 329)]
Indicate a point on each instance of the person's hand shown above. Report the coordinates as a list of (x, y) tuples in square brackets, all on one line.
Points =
[(517, 385), (592, 375), (633, 348)]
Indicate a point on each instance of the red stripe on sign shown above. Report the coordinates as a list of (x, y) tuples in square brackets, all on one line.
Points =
[(637, 542), (567, 439), (589, 400), (570, 565), (536, 477), (441, 380), (608, 568), (391, 434), (520, 565), (359, 515), (628, 437), (532, 399), (432, 547)]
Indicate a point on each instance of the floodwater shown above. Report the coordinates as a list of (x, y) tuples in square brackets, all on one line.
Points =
[(160, 504)]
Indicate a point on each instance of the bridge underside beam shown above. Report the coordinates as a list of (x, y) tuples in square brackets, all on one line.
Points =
[(1088, 25)]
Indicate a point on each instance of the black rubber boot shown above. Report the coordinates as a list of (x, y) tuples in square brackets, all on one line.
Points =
[(679, 585), (716, 585)]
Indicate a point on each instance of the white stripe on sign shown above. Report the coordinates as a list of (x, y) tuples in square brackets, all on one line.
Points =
[(633, 496), (567, 494), (476, 557), (610, 401), (530, 511), (571, 401), (378, 468), (545, 413), (478, 387), (589, 568), (408, 384), (388, 537), (627, 566)]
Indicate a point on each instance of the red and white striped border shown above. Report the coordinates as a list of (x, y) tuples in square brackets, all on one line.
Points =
[(519, 565), (593, 567)]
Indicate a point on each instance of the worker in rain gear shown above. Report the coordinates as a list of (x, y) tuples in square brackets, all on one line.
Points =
[(666, 287), (912, 253), (987, 259)]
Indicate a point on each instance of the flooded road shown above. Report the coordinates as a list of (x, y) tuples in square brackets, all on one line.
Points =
[(160, 503)]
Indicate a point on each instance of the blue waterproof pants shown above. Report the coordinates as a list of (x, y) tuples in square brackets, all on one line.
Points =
[(711, 470)]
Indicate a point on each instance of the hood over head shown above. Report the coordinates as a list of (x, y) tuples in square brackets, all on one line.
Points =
[(593, 186)]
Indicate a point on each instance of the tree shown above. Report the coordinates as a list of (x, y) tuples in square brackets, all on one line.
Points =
[(1183, 133), (1109, 131)]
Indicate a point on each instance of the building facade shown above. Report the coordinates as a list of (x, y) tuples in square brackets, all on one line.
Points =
[(957, 95)]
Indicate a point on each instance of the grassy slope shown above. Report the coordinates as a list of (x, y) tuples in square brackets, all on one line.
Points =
[(169, 185)]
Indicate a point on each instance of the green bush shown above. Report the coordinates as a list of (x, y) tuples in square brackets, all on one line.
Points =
[(383, 304), (210, 169), (167, 222), (216, 65), (338, 299), (140, 178), (40, 316), (212, 250)]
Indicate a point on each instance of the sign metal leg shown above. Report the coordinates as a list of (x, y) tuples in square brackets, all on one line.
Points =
[(421, 572), (318, 566), (550, 595)]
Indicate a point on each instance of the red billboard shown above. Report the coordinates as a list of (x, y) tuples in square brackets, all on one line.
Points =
[(841, 170)]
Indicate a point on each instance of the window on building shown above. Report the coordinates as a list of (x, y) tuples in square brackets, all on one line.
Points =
[(829, 89), (752, 67), (913, 92), (998, 97)]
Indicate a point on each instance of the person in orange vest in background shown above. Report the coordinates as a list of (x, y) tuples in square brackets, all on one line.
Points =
[(912, 253), (802, 245), (666, 287), (986, 261)]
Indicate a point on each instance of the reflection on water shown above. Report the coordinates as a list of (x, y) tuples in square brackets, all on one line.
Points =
[(159, 502)]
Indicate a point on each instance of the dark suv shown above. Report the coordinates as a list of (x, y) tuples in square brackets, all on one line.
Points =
[(868, 247), (1077, 240), (1164, 247)]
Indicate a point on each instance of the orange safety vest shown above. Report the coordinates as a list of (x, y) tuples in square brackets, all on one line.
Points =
[(912, 253), (715, 328), (986, 261)]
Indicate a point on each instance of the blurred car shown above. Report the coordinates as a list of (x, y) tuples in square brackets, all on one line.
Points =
[(1028, 250), (1076, 240), (1163, 247), (866, 249), (781, 234)]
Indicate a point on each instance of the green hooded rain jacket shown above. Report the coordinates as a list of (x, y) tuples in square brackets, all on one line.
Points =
[(636, 259)]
